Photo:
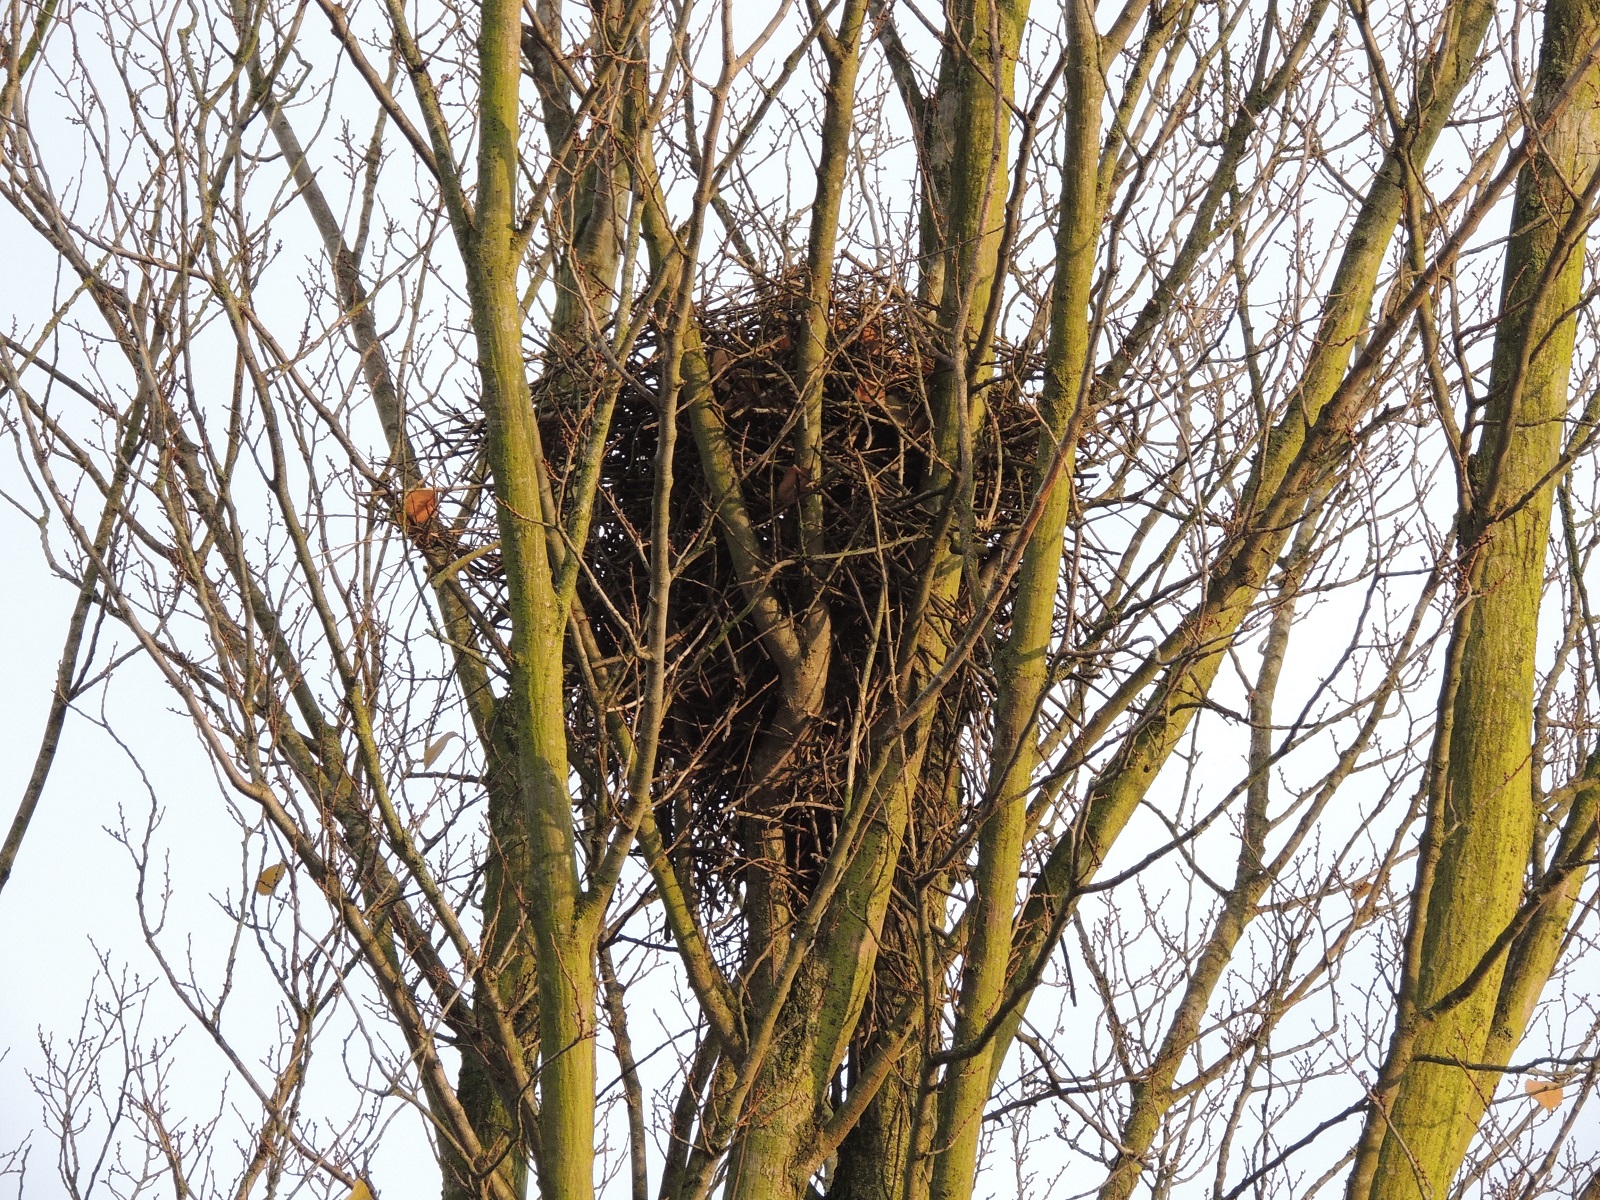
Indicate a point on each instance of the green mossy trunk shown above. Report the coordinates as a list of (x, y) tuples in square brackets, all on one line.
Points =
[(535, 939), (966, 135), (765, 1163), (771, 1158), (1479, 834), (538, 814), (885, 1156), (1022, 665), (875, 1156), (487, 1099)]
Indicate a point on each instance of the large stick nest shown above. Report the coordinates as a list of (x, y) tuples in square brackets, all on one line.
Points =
[(879, 518)]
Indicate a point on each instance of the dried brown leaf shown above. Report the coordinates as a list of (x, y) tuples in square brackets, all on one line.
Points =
[(1547, 1093), (421, 506), (430, 754)]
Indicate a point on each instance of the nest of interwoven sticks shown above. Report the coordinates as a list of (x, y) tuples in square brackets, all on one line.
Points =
[(879, 518)]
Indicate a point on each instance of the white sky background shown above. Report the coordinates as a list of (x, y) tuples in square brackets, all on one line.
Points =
[(68, 900)]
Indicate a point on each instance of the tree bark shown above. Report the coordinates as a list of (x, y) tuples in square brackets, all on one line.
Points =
[(538, 831), (1477, 842)]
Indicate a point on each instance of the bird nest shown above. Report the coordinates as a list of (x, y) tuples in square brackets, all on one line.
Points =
[(879, 517), (882, 513)]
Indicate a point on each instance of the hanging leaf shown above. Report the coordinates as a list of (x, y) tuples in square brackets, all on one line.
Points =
[(421, 505), (1546, 1092), (436, 748), (267, 882)]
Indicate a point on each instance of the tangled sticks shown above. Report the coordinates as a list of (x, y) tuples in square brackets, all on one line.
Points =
[(880, 517)]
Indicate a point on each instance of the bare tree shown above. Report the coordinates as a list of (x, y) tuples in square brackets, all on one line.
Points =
[(833, 467)]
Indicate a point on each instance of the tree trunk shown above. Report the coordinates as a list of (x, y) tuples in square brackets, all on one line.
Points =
[(1477, 842), (1023, 663), (542, 814)]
